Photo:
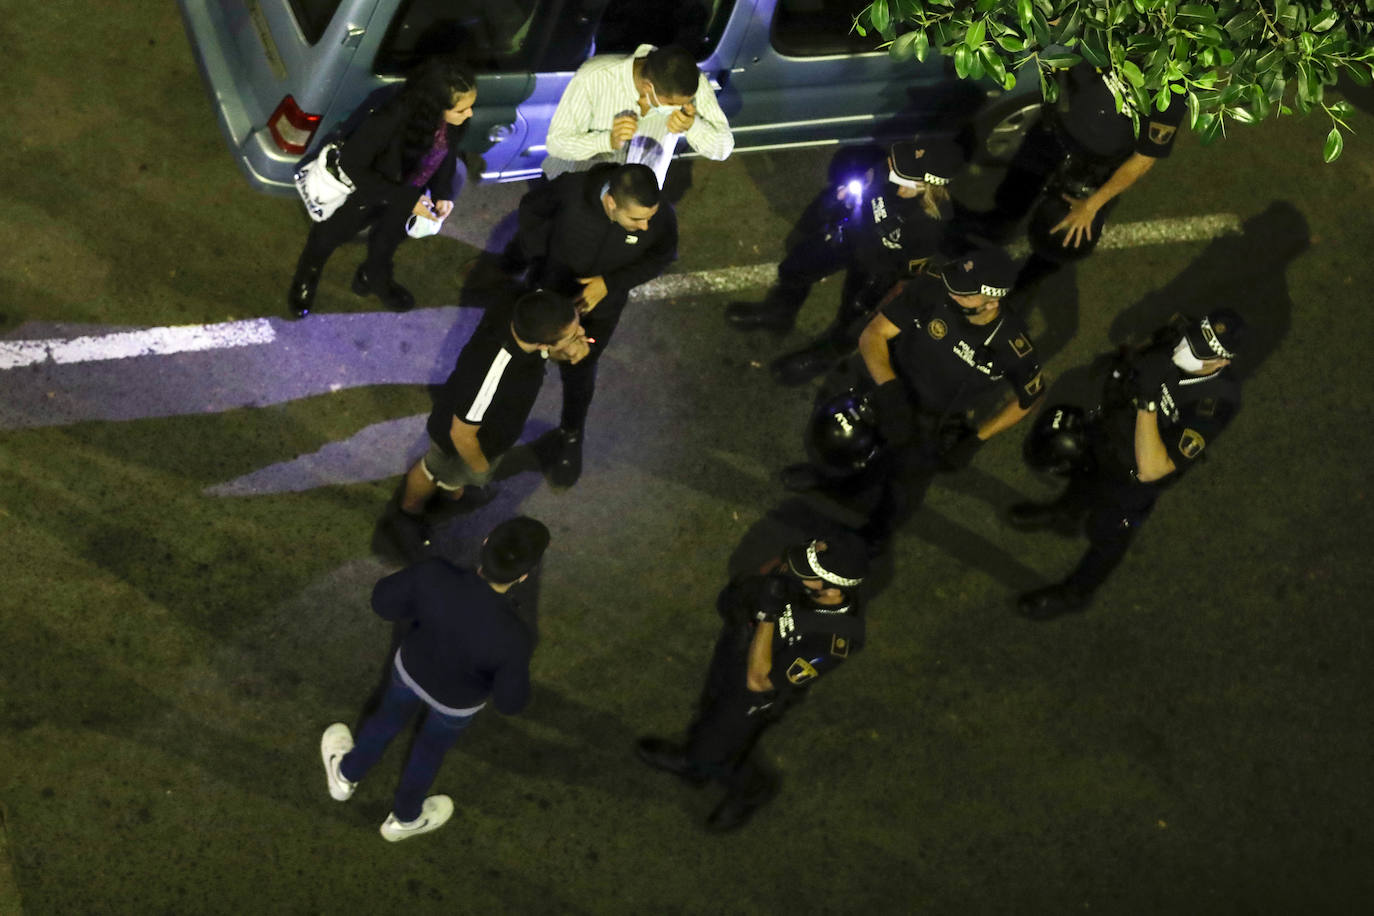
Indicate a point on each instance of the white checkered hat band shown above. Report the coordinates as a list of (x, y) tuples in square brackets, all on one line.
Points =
[(934, 180), (997, 292), (813, 557), (1209, 335)]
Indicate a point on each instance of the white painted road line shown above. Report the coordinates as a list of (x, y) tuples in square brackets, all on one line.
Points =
[(190, 338), (146, 342)]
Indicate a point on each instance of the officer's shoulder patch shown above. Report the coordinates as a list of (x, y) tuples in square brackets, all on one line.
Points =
[(839, 647), (1161, 133), (937, 328), (1207, 407), (1191, 443), (1035, 385), (1021, 345)]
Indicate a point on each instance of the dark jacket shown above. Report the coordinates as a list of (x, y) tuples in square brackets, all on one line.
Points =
[(374, 155), (564, 225), (467, 643)]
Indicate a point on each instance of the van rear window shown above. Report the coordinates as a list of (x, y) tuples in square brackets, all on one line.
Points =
[(313, 16)]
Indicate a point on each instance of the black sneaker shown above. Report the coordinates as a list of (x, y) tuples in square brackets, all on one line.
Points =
[(566, 467), (395, 296), (1052, 601), (300, 298), (666, 756)]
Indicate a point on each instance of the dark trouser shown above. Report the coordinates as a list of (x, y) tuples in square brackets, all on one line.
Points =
[(386, 216), (579, 379), (731, 717), (1114, 511), (437, 734), (904, 476), (810, 261)]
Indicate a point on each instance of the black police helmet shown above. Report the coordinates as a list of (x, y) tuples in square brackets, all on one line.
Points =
[(842, 564), (1058, 442), (986, 270), (1217, 336), (843, 433)]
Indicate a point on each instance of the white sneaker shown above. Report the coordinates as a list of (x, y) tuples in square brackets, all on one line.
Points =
[(435, 812), (336, 742)]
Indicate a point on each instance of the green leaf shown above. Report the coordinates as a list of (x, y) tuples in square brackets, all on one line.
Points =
[(1024, 10), (975, 34), (1306, 42), (1162, 99), (922, 45), (1334, 144), (1244, 24), (1194, 109), (878, 15), (1241, 114), (1011, 43), (1196, 12), (1206, 126), (963, 60), (1059, 61), (904, 48), (1120, 13), (1325, 21), (1132, 73), (993, 63), (1342, 109)]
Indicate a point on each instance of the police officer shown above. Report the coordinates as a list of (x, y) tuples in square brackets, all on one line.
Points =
[(1161, 408), (936, 348), (887, 228), (1083, 154), (594, 236), (795, 621)]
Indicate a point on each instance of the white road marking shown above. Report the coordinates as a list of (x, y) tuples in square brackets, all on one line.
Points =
[(190, 338), (146, 342)]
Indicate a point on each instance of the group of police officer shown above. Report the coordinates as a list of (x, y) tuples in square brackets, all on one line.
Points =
[(924, 338)]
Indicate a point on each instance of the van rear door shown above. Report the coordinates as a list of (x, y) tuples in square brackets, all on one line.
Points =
[(272, 68)]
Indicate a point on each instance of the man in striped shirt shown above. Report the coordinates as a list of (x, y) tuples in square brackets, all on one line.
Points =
[(481, 410), (633, 108)]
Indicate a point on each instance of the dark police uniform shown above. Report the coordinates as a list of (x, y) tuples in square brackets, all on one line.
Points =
[(1193, 411), (809, 641), (1074, 149), (565, 232), (877, 241), (946, 366)]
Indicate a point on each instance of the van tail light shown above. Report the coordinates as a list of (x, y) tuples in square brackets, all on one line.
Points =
[(292, 128)]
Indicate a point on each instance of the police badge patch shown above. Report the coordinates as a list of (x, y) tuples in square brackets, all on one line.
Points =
[(1021, 345), (937, 328), (839, 647), (800, 671), (1161, 134), (1191, 444)]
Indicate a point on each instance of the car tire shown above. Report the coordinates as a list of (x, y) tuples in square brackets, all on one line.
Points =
[(1001, 126)]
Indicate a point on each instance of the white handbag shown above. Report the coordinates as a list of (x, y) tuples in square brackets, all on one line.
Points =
[(322, 183)]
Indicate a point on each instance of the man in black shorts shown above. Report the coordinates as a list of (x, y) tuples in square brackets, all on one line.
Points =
[(480, 411)]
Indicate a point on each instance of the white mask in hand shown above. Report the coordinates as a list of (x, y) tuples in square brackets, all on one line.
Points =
[(657, 107)]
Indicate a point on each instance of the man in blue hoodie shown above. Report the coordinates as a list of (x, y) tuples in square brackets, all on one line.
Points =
[(465, 645)]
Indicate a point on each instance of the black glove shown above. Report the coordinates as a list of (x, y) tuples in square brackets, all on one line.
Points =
[(959, 442), (895, 420), (771, 600), (1145, 382)]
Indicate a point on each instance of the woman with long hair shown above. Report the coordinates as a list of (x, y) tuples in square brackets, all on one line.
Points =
[(403, 161)]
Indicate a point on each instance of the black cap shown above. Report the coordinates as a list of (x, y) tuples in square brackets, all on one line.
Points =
[(1216, 336), (933, 160), (987, 271), (843, 563)]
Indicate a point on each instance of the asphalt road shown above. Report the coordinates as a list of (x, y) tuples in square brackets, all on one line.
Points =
[(189, 542)]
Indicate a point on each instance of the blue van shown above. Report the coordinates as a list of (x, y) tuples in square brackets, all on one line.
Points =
[(790, 73)]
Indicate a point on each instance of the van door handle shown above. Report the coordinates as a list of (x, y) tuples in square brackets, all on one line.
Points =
[(717, 80), (353, 37), (500, 132)]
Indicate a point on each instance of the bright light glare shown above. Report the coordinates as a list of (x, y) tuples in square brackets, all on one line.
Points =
[(855, 187)]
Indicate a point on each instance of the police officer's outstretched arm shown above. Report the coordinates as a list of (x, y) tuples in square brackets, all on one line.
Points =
[(1152, 461), (761, 658), (873, 347)]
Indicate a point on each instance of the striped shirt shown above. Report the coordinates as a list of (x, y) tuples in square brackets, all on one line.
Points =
[(604, 88)]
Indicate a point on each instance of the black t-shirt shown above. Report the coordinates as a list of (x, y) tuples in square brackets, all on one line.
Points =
[(947, 363), (1193, 411), (890, 231), (493, 386), (1092, 121)]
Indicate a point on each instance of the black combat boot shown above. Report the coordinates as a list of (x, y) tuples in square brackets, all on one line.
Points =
[(300, 299)]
